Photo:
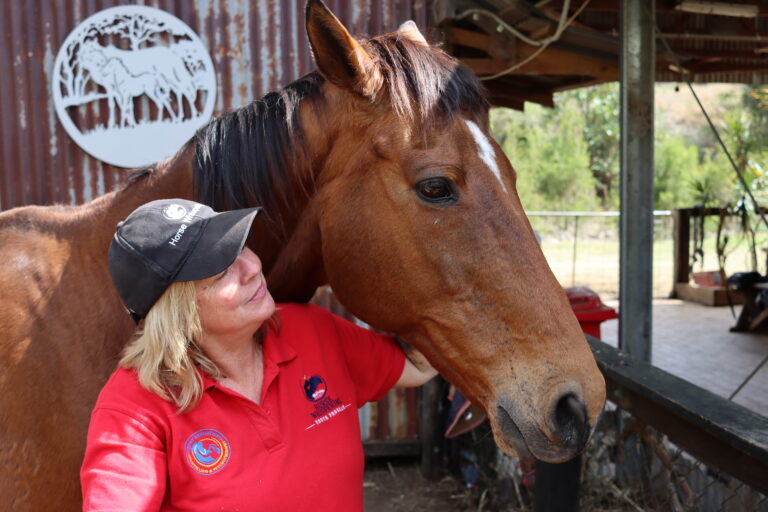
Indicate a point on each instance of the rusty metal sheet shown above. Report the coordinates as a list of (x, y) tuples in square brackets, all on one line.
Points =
[(256, 46)]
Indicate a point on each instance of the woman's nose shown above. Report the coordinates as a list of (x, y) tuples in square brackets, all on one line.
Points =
[(251, 263)]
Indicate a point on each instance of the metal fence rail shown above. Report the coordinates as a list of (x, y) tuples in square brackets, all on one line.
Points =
[(582, 248)]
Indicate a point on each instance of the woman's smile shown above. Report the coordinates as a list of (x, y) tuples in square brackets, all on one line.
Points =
[(260, 293)]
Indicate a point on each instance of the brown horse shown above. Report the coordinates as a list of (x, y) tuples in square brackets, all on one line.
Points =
[(380, 179)]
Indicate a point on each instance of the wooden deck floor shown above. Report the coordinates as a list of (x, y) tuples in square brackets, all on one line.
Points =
[(693, 342)]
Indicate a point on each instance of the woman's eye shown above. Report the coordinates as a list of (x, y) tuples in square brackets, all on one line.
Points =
[(436, 190)]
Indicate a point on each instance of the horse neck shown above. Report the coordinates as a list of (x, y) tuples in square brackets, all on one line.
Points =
[(170, 178), (292, 254)]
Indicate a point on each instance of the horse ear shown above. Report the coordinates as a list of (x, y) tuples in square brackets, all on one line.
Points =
[(410, 30), (339, 58)]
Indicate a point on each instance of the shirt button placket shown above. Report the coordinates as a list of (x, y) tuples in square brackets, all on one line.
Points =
[(266, 429)]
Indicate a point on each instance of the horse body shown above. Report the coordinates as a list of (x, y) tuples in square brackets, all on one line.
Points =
[(378, 178), (63, 327)]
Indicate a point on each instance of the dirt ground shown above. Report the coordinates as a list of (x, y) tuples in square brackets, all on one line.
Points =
[(396, 485)]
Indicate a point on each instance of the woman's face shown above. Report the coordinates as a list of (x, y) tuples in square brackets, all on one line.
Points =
[(236, 299)]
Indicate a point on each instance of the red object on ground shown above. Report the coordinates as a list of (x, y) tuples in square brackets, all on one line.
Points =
[(589, 309)]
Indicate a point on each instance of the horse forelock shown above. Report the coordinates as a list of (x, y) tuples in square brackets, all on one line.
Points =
[(423, 84)]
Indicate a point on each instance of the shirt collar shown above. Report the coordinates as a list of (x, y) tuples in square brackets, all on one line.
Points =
[(276, 352)]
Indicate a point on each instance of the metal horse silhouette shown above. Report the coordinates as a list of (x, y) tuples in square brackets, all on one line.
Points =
[(157, 72)]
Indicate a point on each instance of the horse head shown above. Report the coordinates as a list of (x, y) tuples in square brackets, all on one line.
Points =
[(421, 232), (92, 56), (377, 176)]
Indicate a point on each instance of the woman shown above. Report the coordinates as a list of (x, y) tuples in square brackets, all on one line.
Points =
[(221, 402)]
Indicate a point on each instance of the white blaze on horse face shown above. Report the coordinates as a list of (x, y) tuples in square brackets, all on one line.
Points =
[(485, 150)]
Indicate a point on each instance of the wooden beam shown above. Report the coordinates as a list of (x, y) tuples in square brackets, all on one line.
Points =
[(551, 61), (578, 84), (713, 36), (713, 429), (430, 427), (726, 67), (485, 66), (499, 89), (515, 11), (468, 38), (681, 246), (554, 15), (661, 6), (572, 63), (392, 448), (685, 53), (594, 5)]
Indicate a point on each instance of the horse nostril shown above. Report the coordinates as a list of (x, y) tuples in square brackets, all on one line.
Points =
[(570, 421)]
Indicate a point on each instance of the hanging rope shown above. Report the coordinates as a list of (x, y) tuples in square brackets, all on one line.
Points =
[(541, 44), (736, 169), (758, 210)]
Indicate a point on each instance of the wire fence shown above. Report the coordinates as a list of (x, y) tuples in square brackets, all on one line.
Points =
[(582, 248), (632, 466)]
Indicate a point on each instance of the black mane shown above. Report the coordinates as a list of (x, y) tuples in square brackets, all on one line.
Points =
[(252, 156), (244, 158)]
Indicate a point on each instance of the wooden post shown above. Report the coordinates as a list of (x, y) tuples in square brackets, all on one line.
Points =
[(557, 486), (682, 223), (429, 428)]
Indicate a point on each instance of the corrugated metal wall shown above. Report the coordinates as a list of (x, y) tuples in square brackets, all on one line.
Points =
[(256, 46)]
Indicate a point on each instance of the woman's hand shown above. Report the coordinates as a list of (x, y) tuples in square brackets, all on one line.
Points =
[(417, 369)]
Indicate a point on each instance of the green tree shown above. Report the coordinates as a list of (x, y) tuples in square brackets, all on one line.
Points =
[(676, 167), (549, 154), (599, 105), (567, 157)]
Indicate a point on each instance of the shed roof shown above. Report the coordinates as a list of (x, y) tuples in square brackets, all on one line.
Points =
[(720, 42)]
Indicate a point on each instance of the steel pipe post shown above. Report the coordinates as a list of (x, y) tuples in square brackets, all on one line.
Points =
[(638, 55)]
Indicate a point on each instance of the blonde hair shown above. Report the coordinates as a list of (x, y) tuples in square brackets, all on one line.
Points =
[(165, 352)]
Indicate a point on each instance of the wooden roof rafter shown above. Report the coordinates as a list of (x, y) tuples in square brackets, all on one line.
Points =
[(705, 47)]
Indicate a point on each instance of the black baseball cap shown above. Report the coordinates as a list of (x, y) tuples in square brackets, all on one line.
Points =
[(172, 240)]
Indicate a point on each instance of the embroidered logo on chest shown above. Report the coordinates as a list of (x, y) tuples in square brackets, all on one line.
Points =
[(207, 451), (325, 407)]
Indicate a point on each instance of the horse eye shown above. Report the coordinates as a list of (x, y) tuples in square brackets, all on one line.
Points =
[(436, 190)]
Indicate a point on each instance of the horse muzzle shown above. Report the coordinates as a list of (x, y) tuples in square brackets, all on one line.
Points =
[(565, 432)]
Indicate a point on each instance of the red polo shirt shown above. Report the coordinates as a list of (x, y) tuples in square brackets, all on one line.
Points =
[(299, 450)]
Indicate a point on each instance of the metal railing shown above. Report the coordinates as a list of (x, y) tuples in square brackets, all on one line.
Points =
[(582, 248)]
